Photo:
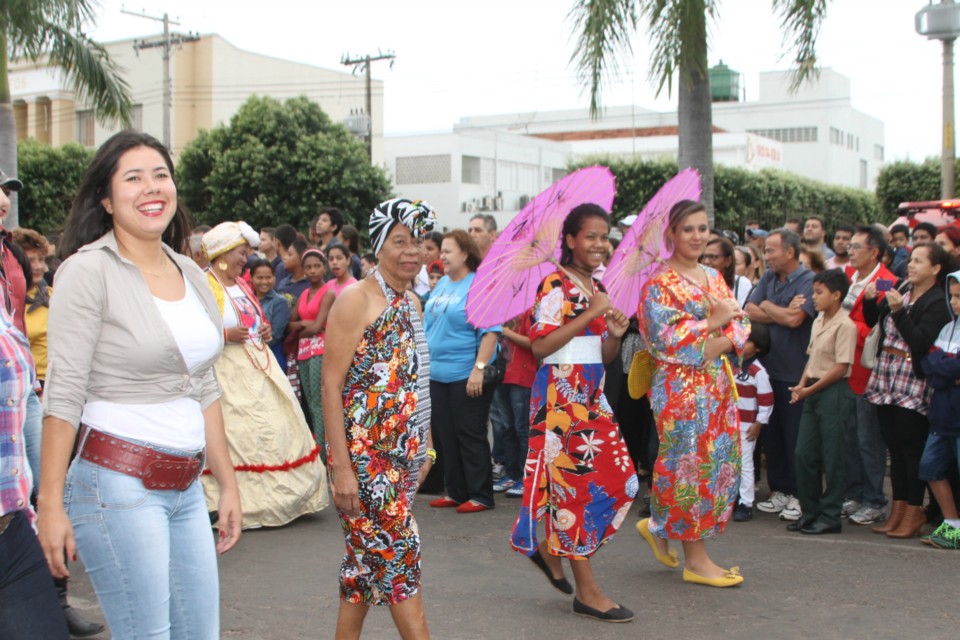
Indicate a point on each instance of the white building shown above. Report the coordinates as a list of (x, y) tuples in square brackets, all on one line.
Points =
[(814, 132), (471, 171), (210, 79)]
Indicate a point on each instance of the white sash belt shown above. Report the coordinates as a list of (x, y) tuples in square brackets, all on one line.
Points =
[(580, 350)]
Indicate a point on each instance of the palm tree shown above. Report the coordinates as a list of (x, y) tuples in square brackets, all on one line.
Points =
[(30, 29), (678, 30)]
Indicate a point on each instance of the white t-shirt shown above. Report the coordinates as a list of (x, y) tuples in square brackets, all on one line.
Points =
[(177, 424)]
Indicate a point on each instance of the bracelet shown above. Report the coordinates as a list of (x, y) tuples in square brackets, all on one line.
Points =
[(432, 454)]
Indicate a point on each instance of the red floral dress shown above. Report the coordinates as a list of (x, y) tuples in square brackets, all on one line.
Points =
[(697, 474), (578, 474)]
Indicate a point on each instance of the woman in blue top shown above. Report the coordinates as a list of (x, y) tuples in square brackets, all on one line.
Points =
[(275, 307), (461, 402)]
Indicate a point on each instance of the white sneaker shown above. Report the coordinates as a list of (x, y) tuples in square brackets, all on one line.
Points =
[(849, 508), (792, 511), (774, 504)]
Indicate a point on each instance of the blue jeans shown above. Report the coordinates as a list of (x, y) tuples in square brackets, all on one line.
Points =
[(938, 454), (510, 415), (866, 457), (149, 554), (28, 600)]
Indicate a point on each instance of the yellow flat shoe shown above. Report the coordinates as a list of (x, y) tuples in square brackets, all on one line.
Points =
[(670, 559), (730, 579)]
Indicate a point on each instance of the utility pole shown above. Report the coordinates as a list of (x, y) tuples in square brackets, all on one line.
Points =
[(363, 62), (166, 45), (942, 22)]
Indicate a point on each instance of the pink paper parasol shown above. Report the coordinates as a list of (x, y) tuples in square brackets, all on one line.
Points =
[(643, 249), (528, 248)]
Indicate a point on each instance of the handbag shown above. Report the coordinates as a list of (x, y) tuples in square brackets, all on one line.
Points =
[(640, 377), (494, 371), (868, 359)]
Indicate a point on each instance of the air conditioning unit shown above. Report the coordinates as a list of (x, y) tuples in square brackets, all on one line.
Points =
[(524, 201), (470, 207), (488, 203), (498, 203)]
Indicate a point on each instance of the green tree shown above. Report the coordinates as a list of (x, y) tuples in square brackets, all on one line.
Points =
[(278, 162), (31, 29), (678, 31), (906, 181), (50, 178)]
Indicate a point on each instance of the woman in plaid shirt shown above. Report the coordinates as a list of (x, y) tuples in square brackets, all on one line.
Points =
[(910, 318)]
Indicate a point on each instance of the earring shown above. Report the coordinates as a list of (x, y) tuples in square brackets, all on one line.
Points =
[(222, 265)]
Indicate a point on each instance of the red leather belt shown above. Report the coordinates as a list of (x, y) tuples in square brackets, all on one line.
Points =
[(161, 471)]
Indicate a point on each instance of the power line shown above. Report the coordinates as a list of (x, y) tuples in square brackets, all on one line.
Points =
[(364, 63)]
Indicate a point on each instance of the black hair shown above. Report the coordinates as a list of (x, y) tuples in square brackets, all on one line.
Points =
[(261, 262), (300, 245), (929, 227), (760, 337), (435, 237), (338, 247), (372, 258), (88, 220), (875, 238), (336, 218), (730, 272), (900, 228), (351, 238), (574, 223), (818, 219), (849, 228), (489, 222), (834, 280), (285, 234), (270, 231)]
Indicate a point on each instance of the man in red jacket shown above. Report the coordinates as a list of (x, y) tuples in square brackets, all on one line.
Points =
[(866, 454)]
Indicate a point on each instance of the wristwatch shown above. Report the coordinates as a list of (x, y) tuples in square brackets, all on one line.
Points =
[(480, 366)]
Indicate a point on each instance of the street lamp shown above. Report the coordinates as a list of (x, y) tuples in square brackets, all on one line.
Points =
[(942, 22)]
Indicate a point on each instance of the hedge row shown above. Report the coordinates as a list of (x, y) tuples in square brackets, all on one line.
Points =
[(769, 197)]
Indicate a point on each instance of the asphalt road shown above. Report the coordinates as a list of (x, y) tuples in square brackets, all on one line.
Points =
[(282, 583)]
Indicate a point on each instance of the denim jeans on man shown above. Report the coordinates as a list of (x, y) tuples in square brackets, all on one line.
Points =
[(866, 457), (149, 554), (510, 416)]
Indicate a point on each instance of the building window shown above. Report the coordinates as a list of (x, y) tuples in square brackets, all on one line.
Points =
[(836, 136), (470, 170), (488, 173), (506, 175), (788, 134), (423, 169), (85, 127), (863, 174), (878, 152)]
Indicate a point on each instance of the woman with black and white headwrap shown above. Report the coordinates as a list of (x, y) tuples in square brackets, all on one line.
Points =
[(370, 395)]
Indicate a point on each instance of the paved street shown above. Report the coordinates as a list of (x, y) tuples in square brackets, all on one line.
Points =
[(282, 583)]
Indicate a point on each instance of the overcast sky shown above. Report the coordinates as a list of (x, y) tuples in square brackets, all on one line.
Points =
[(469, 57)]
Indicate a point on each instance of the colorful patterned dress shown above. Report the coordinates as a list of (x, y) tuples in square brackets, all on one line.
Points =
[(382, 563), (697, 473), (578, 471)]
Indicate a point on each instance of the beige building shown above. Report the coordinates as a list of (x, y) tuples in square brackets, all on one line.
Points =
[(210, 78)]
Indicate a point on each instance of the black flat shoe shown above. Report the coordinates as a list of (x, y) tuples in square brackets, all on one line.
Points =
[(818, 528), (794, 526), (618, 614), (560, 584)]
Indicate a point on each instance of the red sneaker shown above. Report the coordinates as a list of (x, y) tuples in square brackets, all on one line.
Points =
[(443, 503), (471, 506)]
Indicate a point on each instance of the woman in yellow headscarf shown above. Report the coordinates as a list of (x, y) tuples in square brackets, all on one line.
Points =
[(278, 465)]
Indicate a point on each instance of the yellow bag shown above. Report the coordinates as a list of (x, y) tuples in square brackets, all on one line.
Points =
[(641, 374)]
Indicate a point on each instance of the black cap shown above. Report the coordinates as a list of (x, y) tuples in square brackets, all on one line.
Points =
[(7, 182)]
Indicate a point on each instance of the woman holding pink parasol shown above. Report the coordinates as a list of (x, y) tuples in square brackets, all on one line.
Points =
[(690, 322), (579, 477)]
